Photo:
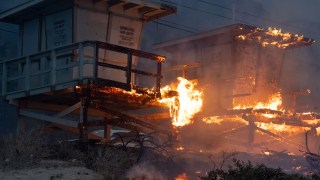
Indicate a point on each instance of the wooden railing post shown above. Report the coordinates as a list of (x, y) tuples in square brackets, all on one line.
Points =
[(95, 63), (53, 68), (81, 61), (27, 81), (158, 86), (4, 78), (129, 69)]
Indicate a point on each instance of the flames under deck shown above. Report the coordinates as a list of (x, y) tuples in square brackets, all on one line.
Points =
[(107, 106)]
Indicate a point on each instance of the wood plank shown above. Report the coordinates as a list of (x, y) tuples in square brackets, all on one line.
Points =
[(59, 108)]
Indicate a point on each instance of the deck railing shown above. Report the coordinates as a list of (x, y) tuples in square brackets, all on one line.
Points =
[(72, 65)]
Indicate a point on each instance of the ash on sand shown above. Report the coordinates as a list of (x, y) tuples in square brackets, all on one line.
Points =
[(51, 170)]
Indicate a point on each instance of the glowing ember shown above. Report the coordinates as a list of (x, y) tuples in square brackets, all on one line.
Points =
[(311, 122), (318, 131), (182, 176), (186, 104), (267, 153), (219, 119), (291, 154), (180, 148), (212, 120)]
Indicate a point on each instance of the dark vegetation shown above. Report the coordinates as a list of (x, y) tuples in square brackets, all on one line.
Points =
[(114, 162), (28, 150), (246, 170)]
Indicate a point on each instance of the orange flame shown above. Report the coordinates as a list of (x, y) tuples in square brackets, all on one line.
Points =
[(276, 37), (219, 119), (280, 128), (180, 148), (274, 103), (182, 176), (184, 106)]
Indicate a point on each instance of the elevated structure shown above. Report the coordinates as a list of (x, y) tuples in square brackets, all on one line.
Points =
[(78, 59)]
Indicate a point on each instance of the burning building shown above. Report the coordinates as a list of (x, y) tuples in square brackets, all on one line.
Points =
[(240, 67), (238, 64)]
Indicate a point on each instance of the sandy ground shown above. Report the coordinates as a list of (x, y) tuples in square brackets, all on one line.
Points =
[(51, 170)]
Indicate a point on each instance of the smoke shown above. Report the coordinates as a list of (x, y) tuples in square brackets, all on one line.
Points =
[(144, 171)]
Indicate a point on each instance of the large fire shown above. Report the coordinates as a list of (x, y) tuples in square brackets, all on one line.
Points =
[(271, 116), (271, 37), (185, 104), (274, 103)]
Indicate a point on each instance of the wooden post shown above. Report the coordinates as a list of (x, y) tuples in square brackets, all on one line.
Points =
[(251, 129), (21, 125), (81, 61), (27, 81), (129, 68), (95, 59), (313, 140), (107, 133), (158, 85), (53, 68), (83, 125)]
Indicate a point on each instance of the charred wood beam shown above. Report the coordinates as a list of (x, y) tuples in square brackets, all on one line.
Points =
[(125, 68), (134, 52), (146, 9), (232, 112), (158, 85), (129, 119), (235, 130), (288, 120), (183, 67), (123, 99), (267, 111), (129, 6), (114, 2), (246, 111), (270, 133), (156, 116), (107, 82), (129, 70), (97, 1)]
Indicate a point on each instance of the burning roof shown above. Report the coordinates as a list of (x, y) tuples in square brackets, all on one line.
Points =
[(270, 37)]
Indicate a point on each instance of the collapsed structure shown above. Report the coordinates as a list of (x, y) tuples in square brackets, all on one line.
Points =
[(77, 65)]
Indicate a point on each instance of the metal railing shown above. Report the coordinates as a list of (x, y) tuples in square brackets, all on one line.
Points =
[(72, 65)]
